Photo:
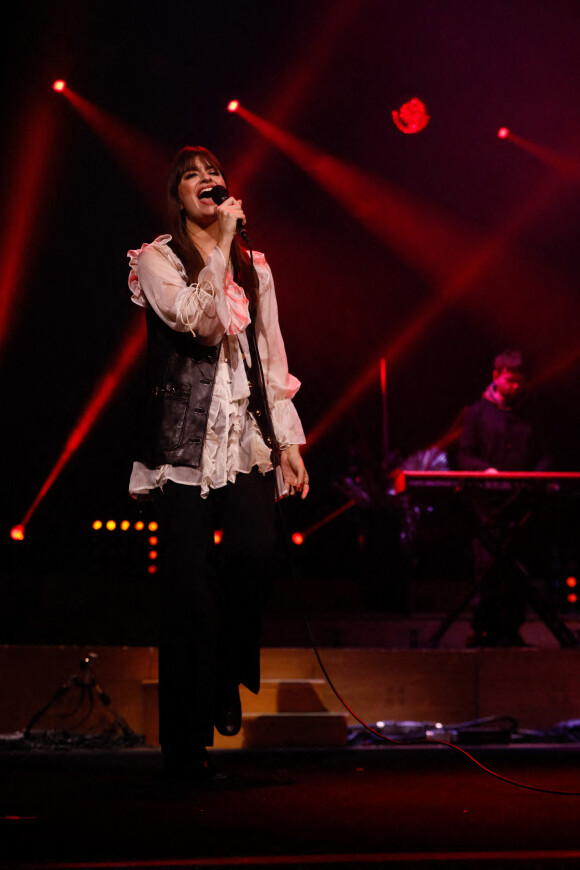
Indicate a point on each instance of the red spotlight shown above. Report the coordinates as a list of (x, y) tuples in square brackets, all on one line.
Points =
[(217, 536), (17, 533), (59, 85), (152, 569), (233, 105), (412, 117), (572, 598), (298, 538), (153, 541), (571, 581), (503, 132), (153, 554)]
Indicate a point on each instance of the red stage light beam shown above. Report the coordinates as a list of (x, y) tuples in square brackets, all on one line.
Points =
[(299, 537), (452, 257), (310, 64), (568, 167), (145, 162), (101, 396), (30, 181), (423, 236)]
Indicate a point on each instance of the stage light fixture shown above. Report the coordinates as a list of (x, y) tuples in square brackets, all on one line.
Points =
[(125, 525), (153, 541), (111, 525), (218, 536), (412, 117), (153, 554), (503, 132), (59, 85), (97, 525), (152, 569), (153, 526), (571, 582), (139, 525), (17, 533), (233, 106), (298, 538), (572, 598)]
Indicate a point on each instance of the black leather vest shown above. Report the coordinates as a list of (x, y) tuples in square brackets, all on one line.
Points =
[(180, 380)]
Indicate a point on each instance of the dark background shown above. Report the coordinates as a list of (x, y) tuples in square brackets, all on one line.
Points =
[(330, 73)]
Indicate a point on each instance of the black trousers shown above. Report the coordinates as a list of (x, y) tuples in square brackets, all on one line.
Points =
[(212, 600)]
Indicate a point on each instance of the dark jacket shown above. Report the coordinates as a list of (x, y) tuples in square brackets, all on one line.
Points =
[(180, 380), (493, 437)]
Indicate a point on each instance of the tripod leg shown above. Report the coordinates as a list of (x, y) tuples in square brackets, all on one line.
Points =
[(60, 693), (497, 552), (453, 614)]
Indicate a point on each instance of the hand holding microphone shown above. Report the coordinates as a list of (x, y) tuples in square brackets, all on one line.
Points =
[(219, 194)]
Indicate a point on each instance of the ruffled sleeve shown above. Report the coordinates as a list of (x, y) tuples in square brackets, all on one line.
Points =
[(137, 295), (210, 308)]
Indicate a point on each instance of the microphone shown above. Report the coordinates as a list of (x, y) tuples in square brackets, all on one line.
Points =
[(219, 194)]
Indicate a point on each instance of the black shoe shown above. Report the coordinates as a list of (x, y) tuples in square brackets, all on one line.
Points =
[(228, 712)]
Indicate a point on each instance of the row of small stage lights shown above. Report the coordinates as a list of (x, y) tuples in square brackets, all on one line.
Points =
[(125, 525), (140, 526)]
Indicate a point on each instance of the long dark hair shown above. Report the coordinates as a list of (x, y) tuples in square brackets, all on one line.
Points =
[(185, 249)]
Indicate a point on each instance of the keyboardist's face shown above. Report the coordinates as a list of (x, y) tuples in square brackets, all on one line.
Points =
[(509, 385)]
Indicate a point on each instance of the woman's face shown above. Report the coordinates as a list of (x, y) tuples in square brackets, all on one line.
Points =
[(199, 207)]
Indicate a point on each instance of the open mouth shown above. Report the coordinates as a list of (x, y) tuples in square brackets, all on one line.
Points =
[(205, 194)]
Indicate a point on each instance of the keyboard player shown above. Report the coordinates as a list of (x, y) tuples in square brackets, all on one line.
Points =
[(497, 436)]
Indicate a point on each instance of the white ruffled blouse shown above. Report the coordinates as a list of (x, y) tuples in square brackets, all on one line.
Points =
[(216, 309)]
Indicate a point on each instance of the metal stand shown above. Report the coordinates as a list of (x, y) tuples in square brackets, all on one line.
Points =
[(88, 687), (503, 551)]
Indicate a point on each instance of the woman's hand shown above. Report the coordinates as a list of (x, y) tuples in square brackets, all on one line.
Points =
[(294, 471), (228, 215)]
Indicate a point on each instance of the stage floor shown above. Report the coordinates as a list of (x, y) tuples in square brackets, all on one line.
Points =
[(411, 806)]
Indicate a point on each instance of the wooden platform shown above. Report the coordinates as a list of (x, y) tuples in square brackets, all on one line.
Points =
[(537, 686)]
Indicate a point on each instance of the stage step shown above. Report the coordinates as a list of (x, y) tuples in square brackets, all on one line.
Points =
[(287, 711)]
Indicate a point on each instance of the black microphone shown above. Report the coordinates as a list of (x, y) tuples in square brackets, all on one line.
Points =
[(219, 194)]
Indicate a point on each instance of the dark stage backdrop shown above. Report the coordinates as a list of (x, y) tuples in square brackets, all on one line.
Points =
[(329, 73)]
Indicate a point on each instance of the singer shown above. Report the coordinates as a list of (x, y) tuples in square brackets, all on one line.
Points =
[(218, 443)]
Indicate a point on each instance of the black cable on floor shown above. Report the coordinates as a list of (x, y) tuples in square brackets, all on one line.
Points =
[(374, 731)]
